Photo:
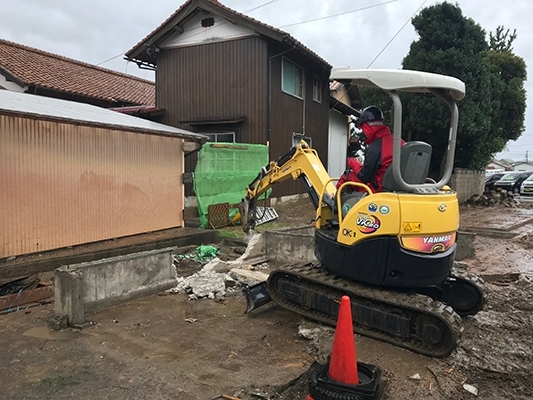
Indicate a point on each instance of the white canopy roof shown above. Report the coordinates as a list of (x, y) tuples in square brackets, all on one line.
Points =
[(401, 80)]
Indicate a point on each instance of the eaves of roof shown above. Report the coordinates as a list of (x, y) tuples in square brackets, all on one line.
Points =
[(31, 106), (138, 52)]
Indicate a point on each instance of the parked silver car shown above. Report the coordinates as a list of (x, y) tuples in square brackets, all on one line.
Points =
[(526, 188)]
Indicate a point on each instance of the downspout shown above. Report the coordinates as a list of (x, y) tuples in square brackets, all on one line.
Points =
[(304, 73), (269, 104)]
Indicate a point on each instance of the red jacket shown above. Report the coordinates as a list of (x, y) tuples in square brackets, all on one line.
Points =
[(378, 156), (351, 173)]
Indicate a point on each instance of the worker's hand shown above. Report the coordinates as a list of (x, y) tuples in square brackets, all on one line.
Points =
[(355, 164)]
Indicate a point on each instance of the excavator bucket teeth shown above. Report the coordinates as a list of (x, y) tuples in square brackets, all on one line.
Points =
[(256, 296)]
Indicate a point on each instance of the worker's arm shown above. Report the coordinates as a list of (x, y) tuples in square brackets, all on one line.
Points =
[(371, 164), (355, 165)]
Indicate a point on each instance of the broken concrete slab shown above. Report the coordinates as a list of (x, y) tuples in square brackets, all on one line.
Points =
[(217, 276), (248, 277), (204, 284), (93, 286)]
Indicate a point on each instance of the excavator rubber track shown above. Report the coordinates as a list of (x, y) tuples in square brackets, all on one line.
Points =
[(413, 321), (474, 284)]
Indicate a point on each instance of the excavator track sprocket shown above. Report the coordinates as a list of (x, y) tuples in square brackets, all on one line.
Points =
[(464, 292), (413, 321)]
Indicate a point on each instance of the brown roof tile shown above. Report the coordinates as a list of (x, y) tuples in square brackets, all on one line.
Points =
[(51, 71)]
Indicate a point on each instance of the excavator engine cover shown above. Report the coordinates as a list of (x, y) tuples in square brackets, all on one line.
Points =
[(382, 261)]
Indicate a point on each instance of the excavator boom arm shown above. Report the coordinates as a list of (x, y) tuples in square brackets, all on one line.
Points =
[(300, 162)]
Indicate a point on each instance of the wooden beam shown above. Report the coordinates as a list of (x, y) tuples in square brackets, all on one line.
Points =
[(26, 297)]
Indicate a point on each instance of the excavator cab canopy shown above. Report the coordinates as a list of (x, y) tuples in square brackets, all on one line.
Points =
[(446, 88)]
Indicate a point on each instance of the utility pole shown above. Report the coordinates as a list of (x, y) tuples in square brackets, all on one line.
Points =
[(527, 151)]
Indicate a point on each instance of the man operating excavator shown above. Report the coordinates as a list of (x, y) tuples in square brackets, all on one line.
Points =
[(378, 153)]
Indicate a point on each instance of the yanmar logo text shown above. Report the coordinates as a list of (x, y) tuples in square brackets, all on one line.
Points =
[(437, 239)]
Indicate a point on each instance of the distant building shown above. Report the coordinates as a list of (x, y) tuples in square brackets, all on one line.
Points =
[(496, 166), (523, 166), (345, 101)]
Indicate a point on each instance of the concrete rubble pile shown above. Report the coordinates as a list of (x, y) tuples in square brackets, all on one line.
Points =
[(488, 199), (218, 277)]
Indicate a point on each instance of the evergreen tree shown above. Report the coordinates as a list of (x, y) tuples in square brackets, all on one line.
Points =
[(493, 110)]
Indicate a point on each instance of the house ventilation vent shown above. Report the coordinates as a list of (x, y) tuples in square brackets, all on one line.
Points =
[(207, 22)]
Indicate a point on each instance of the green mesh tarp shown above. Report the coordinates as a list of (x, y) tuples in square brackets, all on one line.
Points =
[(223, 172)]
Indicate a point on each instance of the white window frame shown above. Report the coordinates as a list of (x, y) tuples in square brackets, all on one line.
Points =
[(215, 135), (317, 89), (295, 90)]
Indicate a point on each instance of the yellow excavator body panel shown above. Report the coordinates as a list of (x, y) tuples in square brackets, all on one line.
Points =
[(424, 222)]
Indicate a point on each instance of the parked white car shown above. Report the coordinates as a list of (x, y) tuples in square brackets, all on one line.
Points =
[(527, 186)]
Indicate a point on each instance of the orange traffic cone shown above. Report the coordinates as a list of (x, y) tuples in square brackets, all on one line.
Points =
[(343, 375), (343, 363)]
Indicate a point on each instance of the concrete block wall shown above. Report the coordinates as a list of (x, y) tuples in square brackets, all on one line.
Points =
[(291, 245), (467, 183), (93, 286)]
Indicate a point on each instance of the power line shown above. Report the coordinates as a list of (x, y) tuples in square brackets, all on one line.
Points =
[(397, 33), (339, 14), (110, 59), (260, 6)]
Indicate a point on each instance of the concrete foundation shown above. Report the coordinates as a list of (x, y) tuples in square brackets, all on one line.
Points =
[(93, 286), (465, 245), (294, 245)]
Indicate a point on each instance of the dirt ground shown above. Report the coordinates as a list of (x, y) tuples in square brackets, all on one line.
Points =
[(168, 347)]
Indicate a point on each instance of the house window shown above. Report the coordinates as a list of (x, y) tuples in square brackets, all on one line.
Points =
[(227, 137), (292, 77), (317, 89)]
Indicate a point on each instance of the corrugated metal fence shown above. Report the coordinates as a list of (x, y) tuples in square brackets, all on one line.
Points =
[(65, 184)]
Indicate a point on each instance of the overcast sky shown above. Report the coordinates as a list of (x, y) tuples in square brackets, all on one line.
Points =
[(98, 30)]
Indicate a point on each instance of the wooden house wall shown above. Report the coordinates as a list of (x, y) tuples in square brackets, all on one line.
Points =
[(231, 79), (223, 79), (288, 117)]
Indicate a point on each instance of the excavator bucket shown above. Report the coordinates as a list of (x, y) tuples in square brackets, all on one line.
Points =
[(256, 296), (244, 211)]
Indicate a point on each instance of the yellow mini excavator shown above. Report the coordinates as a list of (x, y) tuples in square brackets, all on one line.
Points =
[(392, 252)]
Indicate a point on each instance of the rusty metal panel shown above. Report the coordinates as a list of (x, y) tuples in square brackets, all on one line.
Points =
[(64, 184), (46, 108)]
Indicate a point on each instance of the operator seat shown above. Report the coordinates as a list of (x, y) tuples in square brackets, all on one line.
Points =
[(414, 166)]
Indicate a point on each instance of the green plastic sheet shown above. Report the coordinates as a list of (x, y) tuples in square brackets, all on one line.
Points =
[(201, 253), (223, 172)]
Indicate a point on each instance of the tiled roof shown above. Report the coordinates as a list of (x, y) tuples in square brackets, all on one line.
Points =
[(46, 70), (137, 52)]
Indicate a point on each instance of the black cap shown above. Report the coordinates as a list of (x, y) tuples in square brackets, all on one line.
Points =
[(371, 113)]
